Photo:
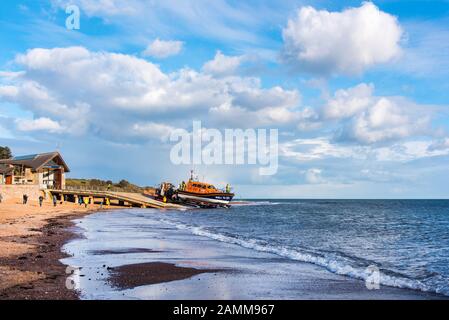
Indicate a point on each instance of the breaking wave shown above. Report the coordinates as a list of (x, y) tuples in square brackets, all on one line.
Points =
[(332, 262), (254, 203)]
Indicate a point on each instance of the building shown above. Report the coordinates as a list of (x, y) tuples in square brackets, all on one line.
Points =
[(46, 170)]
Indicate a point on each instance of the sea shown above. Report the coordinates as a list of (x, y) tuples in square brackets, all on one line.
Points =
[(405, 241)]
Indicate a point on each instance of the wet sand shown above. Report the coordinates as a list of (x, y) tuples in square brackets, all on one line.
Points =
[(135, 275), (31, 238), (123, 251)]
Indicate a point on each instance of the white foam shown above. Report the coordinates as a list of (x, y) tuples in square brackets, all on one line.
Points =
[(255, 203), (329, 263)]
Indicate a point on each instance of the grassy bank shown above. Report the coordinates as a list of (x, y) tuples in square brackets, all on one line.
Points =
[(97, 184)]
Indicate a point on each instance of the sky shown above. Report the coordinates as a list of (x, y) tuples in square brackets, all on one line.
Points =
[(358, 91)]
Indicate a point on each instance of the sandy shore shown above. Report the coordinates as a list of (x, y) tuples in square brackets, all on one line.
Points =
[(30, 248), (147, 259)]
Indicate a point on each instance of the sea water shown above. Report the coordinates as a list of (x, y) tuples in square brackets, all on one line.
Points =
[(406, 240)]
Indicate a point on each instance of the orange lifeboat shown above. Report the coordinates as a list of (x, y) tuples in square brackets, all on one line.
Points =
[(204, 194)]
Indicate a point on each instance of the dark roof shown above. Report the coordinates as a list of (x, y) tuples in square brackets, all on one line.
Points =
[(5, 169), (37, 161)]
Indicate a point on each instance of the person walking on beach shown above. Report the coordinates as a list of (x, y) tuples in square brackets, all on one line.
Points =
[(55, 200), (41, 199), (80, 200), (25, 199), (86, 201)]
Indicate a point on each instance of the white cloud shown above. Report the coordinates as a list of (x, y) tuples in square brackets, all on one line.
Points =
[(10, 74), (347, 103), (40, 124), (314, 176), (319, 148), (8, 91), (222, 65), (163, 49), (151, 130), (348, 42), (38, 99), (247, 118), (322, 148), (358, 115), (309, 119), (120, 97), (442, 144), (387, 120), (95, 91), (410, 150)]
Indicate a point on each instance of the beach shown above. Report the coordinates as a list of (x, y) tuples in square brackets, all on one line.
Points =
[(134, 253), (141, 254), (31, 241), (30, 248)]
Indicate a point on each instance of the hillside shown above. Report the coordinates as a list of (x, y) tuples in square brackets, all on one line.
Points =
[(97, 184)]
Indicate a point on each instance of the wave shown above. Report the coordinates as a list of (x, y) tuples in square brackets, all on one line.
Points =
[(254, 203), (330, 262)]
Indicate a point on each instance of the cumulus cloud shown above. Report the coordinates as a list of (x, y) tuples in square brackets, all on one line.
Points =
[(366, 118), (348, 42), (89, 91), (386, 120), (40, 124), (36, 98), (348, 102), (222, 65), (357, 115), (163, 49)]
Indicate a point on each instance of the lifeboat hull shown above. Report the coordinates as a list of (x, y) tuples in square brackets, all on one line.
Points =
[(217, 199)]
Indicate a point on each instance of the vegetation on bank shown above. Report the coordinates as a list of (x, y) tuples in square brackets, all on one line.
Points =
[(121, 186)]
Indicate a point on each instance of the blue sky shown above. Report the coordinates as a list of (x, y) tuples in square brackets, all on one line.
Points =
[(358, 90)]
